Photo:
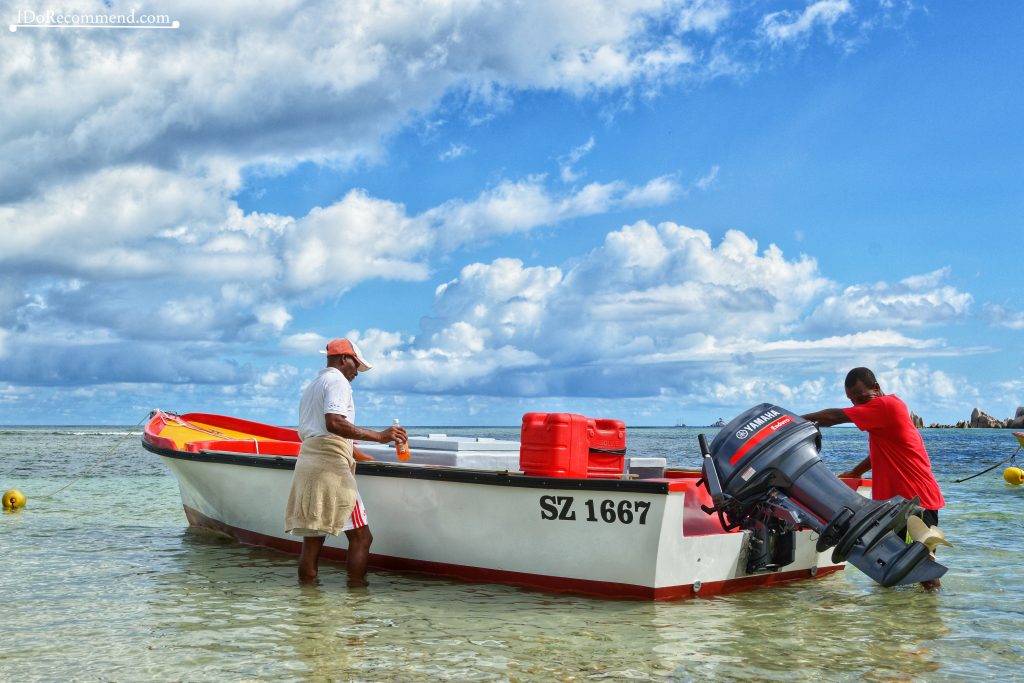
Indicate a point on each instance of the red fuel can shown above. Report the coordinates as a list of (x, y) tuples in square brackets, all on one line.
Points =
[(554, 445), (606, 458), (570, 445)]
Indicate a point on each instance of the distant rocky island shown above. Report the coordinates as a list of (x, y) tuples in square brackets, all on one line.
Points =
[(979, 420)]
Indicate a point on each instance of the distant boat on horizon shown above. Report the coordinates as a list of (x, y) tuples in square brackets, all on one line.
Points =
[(718, 423)]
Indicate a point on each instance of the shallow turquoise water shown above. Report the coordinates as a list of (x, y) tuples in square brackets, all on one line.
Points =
[(103, 581)]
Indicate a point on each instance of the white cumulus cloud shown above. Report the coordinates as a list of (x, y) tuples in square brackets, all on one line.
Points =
[(652, 297), (999, 316), (915, 301), (785, 26), (298, 81)]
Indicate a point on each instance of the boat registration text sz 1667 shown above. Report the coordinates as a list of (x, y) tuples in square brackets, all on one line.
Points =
[(609, 511)]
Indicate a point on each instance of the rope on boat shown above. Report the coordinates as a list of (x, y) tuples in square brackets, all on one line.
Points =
[(94, 465), (178, 419)]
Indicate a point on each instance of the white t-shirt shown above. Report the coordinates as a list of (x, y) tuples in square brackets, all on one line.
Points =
[(330, 392)]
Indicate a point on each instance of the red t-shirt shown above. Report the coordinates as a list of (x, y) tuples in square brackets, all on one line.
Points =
[(899, 463)]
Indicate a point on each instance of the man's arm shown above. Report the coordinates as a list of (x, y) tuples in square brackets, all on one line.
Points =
[(339, 424), (838, 416), (828, 417), (859, 470)]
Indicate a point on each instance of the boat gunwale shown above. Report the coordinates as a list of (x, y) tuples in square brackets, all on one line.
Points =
[(432, 472)]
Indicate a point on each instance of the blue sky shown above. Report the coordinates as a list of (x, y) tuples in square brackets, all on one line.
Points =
[(656, 211)]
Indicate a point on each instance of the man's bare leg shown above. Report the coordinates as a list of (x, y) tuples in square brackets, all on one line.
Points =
[(358, 555), (309, 558)]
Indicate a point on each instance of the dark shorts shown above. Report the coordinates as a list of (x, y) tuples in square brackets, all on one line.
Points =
[(929, 517)]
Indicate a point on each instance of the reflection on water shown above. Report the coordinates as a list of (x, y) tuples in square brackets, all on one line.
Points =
[(829, 630), (242, 605), (107, 584)]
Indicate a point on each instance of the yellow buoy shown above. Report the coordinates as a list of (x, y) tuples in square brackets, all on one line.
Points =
[(1013, 475), (14, 499)]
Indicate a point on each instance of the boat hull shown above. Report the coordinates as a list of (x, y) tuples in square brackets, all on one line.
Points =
[(612, 538)]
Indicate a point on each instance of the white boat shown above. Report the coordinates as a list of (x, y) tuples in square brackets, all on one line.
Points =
[(463, 508)]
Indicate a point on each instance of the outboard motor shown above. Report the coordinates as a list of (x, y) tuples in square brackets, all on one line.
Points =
[(764, 475)]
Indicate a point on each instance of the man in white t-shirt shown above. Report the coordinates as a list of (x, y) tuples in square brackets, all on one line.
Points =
[(323, 498)]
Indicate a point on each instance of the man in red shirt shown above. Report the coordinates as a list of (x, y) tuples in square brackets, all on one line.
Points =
[(896, 452)]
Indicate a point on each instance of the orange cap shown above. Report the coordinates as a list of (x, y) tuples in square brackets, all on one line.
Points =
[(343, 347)]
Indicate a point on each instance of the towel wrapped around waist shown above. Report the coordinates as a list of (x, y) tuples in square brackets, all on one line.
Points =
[(323, 491)]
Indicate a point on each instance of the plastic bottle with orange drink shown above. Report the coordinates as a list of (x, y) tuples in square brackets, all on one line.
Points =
[(401, 448)]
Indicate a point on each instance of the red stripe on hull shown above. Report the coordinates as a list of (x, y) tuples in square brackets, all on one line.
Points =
[(602, 589)]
